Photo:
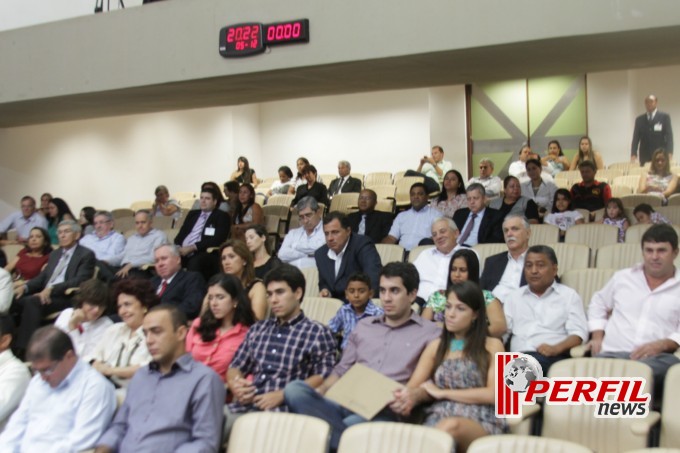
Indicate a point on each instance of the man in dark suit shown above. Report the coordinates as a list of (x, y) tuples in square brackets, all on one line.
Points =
[(503, 273), (477, 223), (174, 285), (376, 224), (344, 183), (652, 131), (67, 267), (204, 228), (354, 252)]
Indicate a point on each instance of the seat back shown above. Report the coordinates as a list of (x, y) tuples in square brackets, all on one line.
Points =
[(402, 194), (571, 256), (621, 191), (670, 416), (630, 201), (344, 202), (486, 250), (508, 442), (280, 200), (163, 222), (144, 204), (635, 232), (320, 309), (618, 256), (632, 181), (311, 281), (544, 234), (384, 437), (672, 213), (390, 252), (384, 191), (377, 179), (122, 212), (415, 251), (11, 250), (278, 432), (594, 235), (586, 282)]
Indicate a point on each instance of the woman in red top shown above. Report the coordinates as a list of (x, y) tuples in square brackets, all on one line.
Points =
[(214, 337), (29, 261)]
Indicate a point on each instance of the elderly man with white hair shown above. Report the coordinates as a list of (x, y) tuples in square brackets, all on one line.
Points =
[(344, 183), (492, 184), (433, 264)]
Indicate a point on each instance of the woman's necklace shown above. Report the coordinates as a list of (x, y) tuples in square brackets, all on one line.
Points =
[(456, 345)]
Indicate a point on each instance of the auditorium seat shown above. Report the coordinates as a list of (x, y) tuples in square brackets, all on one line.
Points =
[(503, 443), (392, 437), (278, 432), (320, 309), (390, 252), (618, 256)]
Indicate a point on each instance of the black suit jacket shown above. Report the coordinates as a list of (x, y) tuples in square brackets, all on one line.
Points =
[(490, 230), (378, 224), (219, 220), (651, 135), (360, 256), (494, 266), (79, 269), (350, 186), (185, 291)]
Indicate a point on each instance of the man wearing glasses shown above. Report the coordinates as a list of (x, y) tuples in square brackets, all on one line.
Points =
[(369, 222), (492, 184), (108, 245), (300, 243), (67, 405)]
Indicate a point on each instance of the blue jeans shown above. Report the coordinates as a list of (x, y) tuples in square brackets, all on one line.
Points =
[(302, 399)]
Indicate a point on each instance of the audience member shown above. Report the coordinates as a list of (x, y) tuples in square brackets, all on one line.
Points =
[(107, 244), (305, 349), (615, 215), (214, 337), (248, 213), (163, 205), (172, 404), (45, 204), (342, 255), (433, 168), (67, 267), (457, 370), (537, 189), (563, 214), (283, 185), (369, 222), (238, 261), (140, 247), (174, 285), (122, 350), (504, 272), (87, 322), (300, 180), (410, 227), (300, 243), (344, 183), (258, 244), (67, 404), (22, 221), (390, 344), (30, 260), (513, 203), (586, 153), (14, 375), (492, 184), (477, 223), (644, 213), (589, 194), (652, 131), (244, 174), (313, 188), (464, 266), (546, 319), (358, 295), (659, 179), (555, 160), (518, 168), (620, 316), (204, 228), (86, 220), (452, 197), (221, 203), (231, 189), (58, 211), (432, 264)]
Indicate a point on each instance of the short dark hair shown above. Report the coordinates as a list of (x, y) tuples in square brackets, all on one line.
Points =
[(359, 277), (544, 250), (406, 271), (417, 184), (535, 162), (441, 150), (231, 186), (94, 292), (309, 168), (289, 274), (50, 343), (506, 181), (341, 217), (286, 170), (139, 288), (214, 193), (661, 233), (587, 164), (178, 317), (28, 197), (644, 207)]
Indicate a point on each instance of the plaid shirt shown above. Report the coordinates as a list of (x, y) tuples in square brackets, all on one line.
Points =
[(276, 354), (346, 319)]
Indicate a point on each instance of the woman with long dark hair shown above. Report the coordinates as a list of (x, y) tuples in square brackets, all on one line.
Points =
[(248, 213), (586, 152), (58, 210), (238, 261), (30, 260), (244, 174), (452, 196)]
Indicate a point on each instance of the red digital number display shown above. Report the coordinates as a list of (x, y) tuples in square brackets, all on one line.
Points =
[(241, 40), (287, 32)]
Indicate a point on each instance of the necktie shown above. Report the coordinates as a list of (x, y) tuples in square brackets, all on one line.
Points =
[(342, 183), (197, 231), (362, 224), (468, 228), (164, 286), (61, 267)]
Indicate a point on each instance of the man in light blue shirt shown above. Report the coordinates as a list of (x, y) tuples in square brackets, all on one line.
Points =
[(22, 221), (108, 245), (67, 405), (412, 226), (140, 246)]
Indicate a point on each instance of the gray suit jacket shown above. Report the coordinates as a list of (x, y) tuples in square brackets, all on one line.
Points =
[(80, 268)]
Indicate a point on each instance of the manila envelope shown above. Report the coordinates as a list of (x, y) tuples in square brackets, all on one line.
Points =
[(363, 391)]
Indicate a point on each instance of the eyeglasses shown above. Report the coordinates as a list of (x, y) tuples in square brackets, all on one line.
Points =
[(47, 372)]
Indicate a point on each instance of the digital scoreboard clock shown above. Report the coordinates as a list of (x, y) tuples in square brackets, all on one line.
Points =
[(251, 38)]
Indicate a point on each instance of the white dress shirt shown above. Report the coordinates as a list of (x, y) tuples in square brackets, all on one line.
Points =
[(139, 249), (110, 248), (512, 276), (410, 227), (14, 378), (638, 314), (337, 257), (492, 185), (433, 268), (298, 247), (22, 224), (6, 292), (85, 339), (429, 170), (69, 418), (543, 197), (549, 319)]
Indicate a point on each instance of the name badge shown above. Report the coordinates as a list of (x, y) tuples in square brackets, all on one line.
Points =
[(658, 127), (210, 231)]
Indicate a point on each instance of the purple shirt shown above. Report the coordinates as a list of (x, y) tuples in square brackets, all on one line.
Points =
[(392, 351)]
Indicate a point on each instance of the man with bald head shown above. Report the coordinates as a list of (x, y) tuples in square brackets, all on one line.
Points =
[(652, 131), (433, 264), (367, 221)]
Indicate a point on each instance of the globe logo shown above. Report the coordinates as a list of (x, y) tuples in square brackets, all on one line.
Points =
[(522, 371)]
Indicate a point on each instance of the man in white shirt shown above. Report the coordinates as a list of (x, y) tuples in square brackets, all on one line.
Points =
[(546, 318), (637, 314), (434, 167), (300, 243), (108, 245), (140, 246), (492, 184), (6, 291), (14, 375), (22, 221), (412, 226), (433, 264), (67, 405)]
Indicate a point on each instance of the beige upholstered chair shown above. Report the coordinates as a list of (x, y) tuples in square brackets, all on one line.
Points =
[(571, 256), (320, 309), (623, 166), (504, 443), (587, 282), (312, 281), (278, 432), (382, 178), (280, 200), (630, 201), (385, 206), (486, 250), (123, 224), (621, 191), (544, 234), (577, 423), (402, 195), (634, 233), (122, 212), (171, 233), (632, 181), (327, 178), (384, 191), (618, 256), (163, 222), (415, 251), (11, 250), (344, 202), (144, 204), (390, 252), (386, 437), (674, 200), (594, 235), (672, 213), (359, 176), (670, 417)]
